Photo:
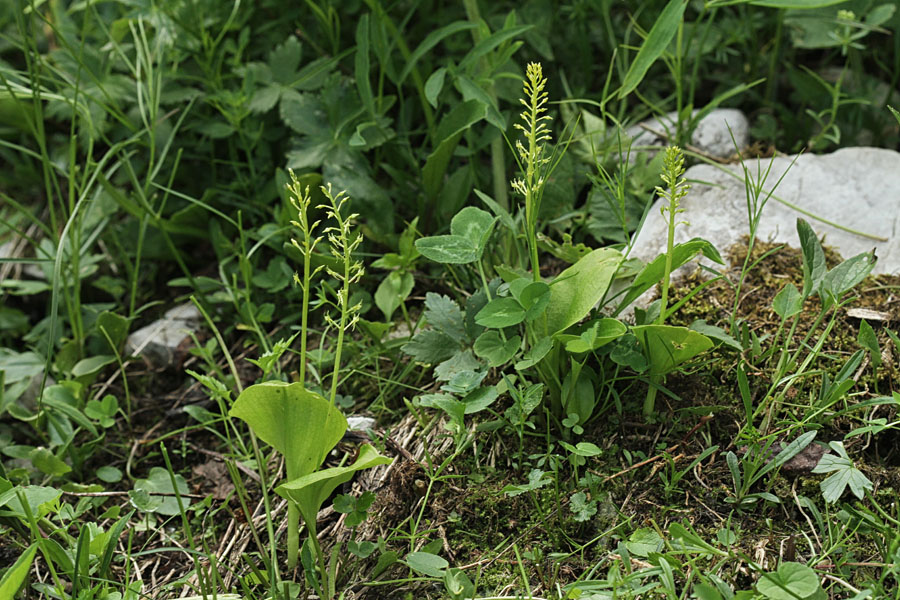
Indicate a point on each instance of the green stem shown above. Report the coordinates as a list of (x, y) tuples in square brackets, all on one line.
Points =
[(343, 325)]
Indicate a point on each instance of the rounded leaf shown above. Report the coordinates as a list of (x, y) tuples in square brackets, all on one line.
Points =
[(500, 312)]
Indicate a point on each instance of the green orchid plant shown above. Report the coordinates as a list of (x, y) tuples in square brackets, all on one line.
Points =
[(301, 424)]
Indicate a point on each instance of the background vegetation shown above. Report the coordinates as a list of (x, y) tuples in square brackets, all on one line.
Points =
[(160, 152)]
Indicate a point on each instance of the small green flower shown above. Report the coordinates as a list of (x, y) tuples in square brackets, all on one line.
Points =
[(532, 159)]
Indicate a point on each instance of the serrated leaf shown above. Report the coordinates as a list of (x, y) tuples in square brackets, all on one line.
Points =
[(284, 60), (430, 346), (525, 403), (535, 481), (460, 362), (582, 508), (843, 474), (444, 314)]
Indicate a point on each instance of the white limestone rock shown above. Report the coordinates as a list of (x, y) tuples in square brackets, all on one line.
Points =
[(159, 342), (857, 188)]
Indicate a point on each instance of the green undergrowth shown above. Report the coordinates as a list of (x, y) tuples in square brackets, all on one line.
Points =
[(423, 212)]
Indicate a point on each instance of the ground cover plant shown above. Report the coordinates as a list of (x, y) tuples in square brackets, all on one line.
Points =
[(423, 213)]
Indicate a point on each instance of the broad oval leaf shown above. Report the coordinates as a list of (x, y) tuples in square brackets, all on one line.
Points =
[(847, 275), (653, 272), (300, 424), (15, 575), (800, 4), (813, 258), (600, 333), (311, 490), (89, 366), (579, 288), (480, 398), (535, 354), (450, 131), (668, 346), (428, 564), (535, 298)]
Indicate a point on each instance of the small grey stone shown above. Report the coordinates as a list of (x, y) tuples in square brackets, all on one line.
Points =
[(184, 312), (359, 423), (159, 341)]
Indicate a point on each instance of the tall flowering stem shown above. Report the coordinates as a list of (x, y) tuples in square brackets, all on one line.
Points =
[(306, 245), (676, 189), (344, 242), (536, 132)]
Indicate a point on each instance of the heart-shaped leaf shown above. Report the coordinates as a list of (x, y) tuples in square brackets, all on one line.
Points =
[(491, 347), (451, 249), (791, 581), (788, 302)]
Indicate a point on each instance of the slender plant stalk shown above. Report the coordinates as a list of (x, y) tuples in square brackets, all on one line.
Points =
[(676, 189), (300, 199)]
